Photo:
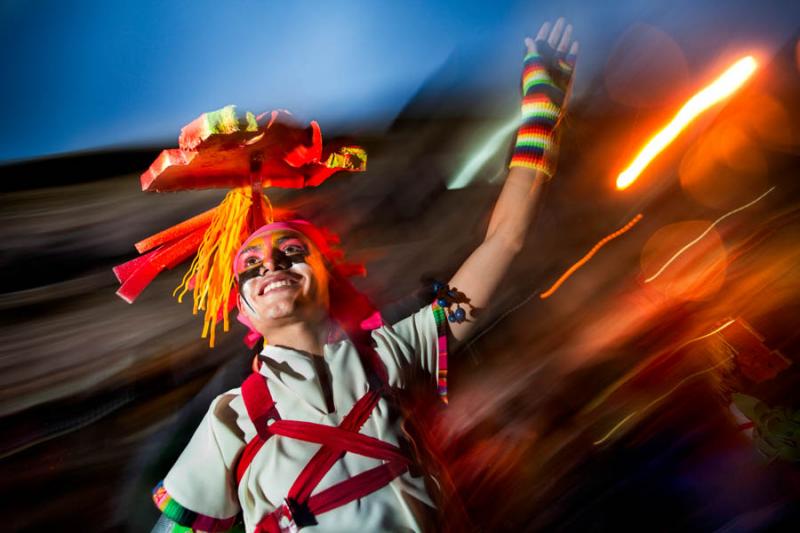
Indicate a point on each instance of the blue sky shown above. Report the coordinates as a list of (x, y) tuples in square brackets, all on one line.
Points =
[(99, 74)]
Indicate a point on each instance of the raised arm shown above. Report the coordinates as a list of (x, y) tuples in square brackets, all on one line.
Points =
[(546, 78)]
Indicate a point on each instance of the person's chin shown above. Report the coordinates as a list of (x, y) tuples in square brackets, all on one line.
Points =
[(280, 311)]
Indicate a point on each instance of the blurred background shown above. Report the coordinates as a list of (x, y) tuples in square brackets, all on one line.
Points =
[(656, 388)]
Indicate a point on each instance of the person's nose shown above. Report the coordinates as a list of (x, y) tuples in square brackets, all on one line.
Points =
[(275, 261)]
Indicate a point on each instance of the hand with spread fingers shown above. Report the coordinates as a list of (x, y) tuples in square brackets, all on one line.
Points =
[(546, 79)]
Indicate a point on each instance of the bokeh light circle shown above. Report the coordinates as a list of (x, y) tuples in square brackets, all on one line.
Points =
[(647, 68), (725, 167)]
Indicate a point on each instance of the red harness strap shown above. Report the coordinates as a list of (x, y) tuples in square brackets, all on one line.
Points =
[(338, 439), (260, 408), (326, 457), (285, 518), (300, 507)]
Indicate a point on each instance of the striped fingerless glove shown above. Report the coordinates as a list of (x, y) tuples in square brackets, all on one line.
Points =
[(545, 79)]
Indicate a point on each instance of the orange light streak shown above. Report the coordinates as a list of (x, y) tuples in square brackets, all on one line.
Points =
[(725, 85), (571, 270)]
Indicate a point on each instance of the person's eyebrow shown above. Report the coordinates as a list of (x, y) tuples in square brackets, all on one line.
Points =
[(249, 249), (281, 240)]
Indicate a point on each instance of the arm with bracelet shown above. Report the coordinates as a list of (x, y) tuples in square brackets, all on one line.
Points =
[(546, 78)]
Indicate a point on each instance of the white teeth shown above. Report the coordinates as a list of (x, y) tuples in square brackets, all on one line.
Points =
[(276, 285)]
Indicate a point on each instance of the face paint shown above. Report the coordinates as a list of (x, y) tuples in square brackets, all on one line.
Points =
[(266, 254), (284, 250)]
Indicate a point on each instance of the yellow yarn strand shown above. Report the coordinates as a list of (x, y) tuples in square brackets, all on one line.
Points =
[(211, 272)]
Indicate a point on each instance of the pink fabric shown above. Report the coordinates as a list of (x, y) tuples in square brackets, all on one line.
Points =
[(252, 337), (374, 321)]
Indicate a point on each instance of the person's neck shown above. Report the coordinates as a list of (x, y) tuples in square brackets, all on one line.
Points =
[(301, 336)]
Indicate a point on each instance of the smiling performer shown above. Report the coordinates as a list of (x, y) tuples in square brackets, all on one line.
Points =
[(312, 439)]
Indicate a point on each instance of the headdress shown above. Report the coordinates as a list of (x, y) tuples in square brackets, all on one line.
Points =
[(245, 154)]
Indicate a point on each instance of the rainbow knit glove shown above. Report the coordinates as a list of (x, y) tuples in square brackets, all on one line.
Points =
[(546, 76)]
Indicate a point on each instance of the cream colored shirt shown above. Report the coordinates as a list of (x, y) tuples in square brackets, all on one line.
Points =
[(203, 478)]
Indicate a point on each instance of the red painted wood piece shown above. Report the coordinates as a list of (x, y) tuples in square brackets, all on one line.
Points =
[(163, 257), (203, 220), (291, 156)]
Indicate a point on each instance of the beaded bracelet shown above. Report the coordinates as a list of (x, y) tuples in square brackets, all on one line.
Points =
[(445, 297)]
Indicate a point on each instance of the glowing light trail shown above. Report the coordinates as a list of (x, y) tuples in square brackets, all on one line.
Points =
[(700, 237), (707, 335), (571, 270), (605, 395), (614, 429), (481, 156), (676, 387), (719, 89)]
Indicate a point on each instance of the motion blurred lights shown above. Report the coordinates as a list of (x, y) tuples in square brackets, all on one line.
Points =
[(646, 68), (706, 232), (582, 261), (698, 273), (482, 155), (797, 53), (768, 119), (724, 168), (719, 89)]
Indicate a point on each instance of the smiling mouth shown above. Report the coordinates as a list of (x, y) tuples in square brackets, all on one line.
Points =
[(276, 285)]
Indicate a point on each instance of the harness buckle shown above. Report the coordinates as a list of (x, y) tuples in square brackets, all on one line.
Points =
[(292, 516)]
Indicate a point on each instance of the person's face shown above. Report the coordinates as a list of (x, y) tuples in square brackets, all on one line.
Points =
[(282, 279)]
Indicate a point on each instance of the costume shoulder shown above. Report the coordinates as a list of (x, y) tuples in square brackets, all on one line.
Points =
[(199, 491), (417, 341)]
